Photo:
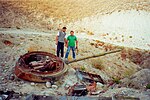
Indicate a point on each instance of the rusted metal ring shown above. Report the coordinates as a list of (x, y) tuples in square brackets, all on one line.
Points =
[(23, 70)]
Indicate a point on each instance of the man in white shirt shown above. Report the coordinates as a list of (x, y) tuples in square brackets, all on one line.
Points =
[(60, 40)]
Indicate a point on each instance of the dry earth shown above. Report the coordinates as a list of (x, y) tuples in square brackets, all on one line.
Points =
[(50, 14), (32, 25), (108, 67)]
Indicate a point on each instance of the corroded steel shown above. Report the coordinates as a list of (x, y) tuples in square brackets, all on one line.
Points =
[(89, 77), (23, 69)]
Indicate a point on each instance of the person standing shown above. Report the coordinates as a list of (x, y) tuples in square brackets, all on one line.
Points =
[(60, 40), (72, 44)]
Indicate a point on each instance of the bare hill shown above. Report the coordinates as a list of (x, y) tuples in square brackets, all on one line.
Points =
[(50, 14)]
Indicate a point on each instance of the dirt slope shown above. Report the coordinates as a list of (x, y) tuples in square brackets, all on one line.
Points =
[(50, 14)]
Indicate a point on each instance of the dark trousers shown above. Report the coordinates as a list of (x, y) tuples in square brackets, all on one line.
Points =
[(60, 47)]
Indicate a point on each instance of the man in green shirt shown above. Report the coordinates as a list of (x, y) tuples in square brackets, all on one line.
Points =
[(72, 44)]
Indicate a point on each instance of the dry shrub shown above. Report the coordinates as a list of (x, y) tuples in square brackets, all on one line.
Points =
[(33, 48), (97, 63), (116, 80), (129, 72), (90, 33), (39, 48)]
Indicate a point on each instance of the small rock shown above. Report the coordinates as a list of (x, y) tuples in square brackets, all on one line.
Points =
[(66, 86), (54, 86), (91, 43), (130, 36), (48, 84), (3, 78), (119, 86), (32, 83), (7, 42), (70, 83), (17, 27), (12, 77), (17, 84), (90, 33), (22, 82), (148, 90), (21, 43), (99, 84), (96, 93), (139, 79)]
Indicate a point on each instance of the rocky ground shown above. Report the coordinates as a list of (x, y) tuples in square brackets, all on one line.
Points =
[(100, 25), (112, 67)]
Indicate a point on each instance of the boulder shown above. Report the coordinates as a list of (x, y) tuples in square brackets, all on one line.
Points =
[(140, 79), (48, 84), (146, 63)]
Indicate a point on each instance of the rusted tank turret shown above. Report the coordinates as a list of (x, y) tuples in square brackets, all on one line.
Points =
[(39, 66)]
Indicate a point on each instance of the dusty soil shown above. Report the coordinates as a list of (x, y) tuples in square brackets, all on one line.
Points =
[(100, 25), (50, 14), (20, 42)]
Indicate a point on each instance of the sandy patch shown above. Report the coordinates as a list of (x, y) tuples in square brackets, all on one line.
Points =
[(125, 28)]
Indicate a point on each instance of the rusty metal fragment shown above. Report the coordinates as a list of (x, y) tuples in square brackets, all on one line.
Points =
[(89, 77), (78, 90), (9, 95), (7, 42), (39, 66)]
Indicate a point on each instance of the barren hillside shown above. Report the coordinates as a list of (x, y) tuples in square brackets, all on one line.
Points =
[(101, 26), (50, 14)]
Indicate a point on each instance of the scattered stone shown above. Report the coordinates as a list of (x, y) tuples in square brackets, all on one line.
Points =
[(148, 86), (146, 63), (130, 36), (99, 84), (11, 36), (96, 93), (32, 83), (92, 44), (104, 34), (22, 38), (21, 43), (31, 39), (17, 84), (17, 27), (48, 84), (3, 78), (140, 79), (66, 86), (96, 45), (12, 77), (90, 33), (122, 97), (69, 83), (116, 38), (54, 86)]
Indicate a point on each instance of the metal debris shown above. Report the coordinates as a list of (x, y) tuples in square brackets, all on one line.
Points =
[(89, 77), (39, 66), (78, 90), (9, 95), (7, 42), (91, 87)]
